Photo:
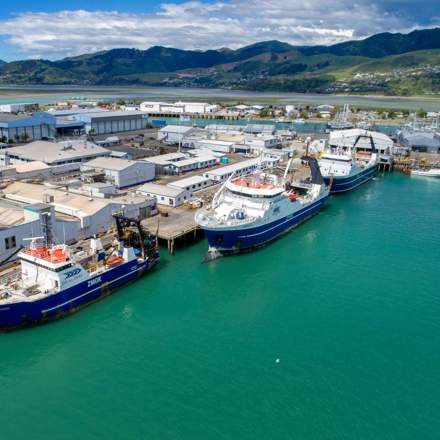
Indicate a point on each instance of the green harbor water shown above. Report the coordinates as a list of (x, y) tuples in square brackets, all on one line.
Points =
[(348, 303)]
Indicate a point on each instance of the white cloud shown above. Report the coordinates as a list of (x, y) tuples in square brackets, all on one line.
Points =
[(196, 25)]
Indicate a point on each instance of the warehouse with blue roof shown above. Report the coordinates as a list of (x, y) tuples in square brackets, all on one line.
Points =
[(37, 126)]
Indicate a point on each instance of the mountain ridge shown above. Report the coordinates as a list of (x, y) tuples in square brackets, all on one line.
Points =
[(265, 65)]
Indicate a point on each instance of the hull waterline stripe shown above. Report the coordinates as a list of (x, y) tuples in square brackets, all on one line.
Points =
[(342, 180), (369, 177)]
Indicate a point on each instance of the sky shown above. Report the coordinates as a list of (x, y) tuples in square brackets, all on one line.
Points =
[(54, 30)]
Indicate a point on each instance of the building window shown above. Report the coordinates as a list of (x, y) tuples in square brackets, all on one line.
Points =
[(10, 242)]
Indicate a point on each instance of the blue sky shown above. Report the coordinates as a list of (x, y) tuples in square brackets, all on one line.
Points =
[(53, 30)]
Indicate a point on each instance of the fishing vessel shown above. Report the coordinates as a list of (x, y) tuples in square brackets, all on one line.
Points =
[(344, 169), (431, 172), (250, 211), (54, 281), (341, 121)]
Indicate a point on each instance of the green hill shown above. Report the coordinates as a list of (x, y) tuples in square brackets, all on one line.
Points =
[(383, 63)]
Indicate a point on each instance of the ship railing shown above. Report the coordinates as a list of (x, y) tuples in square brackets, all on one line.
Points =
[(9, 278)]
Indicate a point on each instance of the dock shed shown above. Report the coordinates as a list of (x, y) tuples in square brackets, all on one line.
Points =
[(192, 184), (238, 169), (165, 195), (173, 134), (123, 173)]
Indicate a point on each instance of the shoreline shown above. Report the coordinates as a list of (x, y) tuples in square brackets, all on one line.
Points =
[(60, 92)]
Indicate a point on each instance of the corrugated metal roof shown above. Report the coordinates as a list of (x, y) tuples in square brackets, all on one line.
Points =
[(52, 152), (234, 167), (109, 163), (160, 190)]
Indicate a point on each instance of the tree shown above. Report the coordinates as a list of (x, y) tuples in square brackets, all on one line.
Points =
[(422, 113)]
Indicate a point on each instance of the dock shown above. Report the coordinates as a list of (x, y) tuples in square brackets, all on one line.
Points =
[(173, 226)]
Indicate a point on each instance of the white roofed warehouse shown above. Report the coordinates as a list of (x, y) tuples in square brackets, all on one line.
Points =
[(93, 215), (347, 138), (53, 153), (192, 184), (236, 169), (173, 134), (123, 173), (165, 195)]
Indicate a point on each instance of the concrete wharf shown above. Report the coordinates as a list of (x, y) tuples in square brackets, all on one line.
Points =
[(173, 226)]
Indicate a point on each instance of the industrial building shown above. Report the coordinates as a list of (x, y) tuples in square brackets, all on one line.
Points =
[(26, 170), (22, 107), (224, 128), (192, 184), (259, 129), (176, 163), (421, 141), (192, 163), (162, 162), (347, 138), (112, 122), (208, 144), (165, 195), (174, 134), (98, 121), (262, 141), (53, 153), (157, 107), (18, 223), (15, 128), (238, 169), (122, 172), (92, 215)]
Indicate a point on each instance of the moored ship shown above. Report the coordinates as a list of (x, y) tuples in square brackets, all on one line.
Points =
[(251, 211), (55, 282), (344, 169)]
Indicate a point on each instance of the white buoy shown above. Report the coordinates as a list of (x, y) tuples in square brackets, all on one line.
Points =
[(277, 360)]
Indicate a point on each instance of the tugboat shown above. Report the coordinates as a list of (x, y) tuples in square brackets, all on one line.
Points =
[(251, 211), (55, 282), (344, 169)]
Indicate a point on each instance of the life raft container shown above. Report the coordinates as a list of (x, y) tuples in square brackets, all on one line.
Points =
[(113, 261)]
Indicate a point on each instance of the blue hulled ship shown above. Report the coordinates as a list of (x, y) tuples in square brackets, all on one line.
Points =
[(345, 169), (54, 282), (251, 211)]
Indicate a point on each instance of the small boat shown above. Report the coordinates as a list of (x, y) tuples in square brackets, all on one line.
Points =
[(299, 121), (54, 282), (345, 169), (431, 172), (248, 212)]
